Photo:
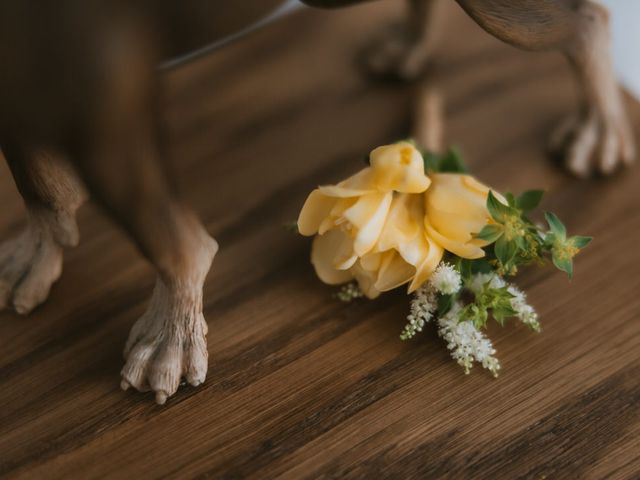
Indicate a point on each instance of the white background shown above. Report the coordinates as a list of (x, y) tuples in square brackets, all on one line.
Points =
[(625, 22)]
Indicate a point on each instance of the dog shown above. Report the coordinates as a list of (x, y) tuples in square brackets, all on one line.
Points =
[(79, 77)]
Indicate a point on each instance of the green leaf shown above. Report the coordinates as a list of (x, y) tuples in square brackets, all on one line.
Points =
[(563, 263), (505, 250), (291, 226), (501, 312), (580, 241), (444, 304), (496, 208), (431, 161), (466, 268), (557, 227), (452, 162), (529, 200), (481, 265), (490, 233), (478, 315), (511, 200), (549, 240)]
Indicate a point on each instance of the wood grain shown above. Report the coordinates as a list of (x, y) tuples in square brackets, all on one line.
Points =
[(303, 386)]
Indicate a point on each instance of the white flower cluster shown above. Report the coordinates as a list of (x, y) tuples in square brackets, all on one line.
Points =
[(479, 280), (446, 279), (466, 343), (423, 304), (349, 292), (525, 312)]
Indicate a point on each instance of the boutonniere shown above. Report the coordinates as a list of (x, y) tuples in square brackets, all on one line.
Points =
[(418, 219)]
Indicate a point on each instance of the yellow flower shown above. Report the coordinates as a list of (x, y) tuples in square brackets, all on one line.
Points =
[(370, 227), (455, 207), (402, 254)]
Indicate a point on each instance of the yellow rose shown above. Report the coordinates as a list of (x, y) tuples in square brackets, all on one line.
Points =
[(455, 207), (370, 227)]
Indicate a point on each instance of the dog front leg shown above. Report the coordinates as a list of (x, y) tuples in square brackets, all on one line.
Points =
[(120, 158), (599, 136), (169, 341)]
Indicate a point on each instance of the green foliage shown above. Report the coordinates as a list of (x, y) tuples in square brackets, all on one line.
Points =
[(505, 250), (556, 226), (291, 226), (514, 240), (444, 303), (448, 162), (529, 200), (489, 301), (562, 249), (498, 210)]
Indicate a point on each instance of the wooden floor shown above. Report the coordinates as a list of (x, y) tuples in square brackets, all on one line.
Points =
[(301, 385)]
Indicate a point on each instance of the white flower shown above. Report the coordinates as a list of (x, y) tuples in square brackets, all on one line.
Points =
[(466, 343), (423, 304), (349, 292), (479, 280), (446, 279), (525, 312)]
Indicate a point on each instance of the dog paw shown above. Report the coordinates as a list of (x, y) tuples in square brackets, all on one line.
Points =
[(593, 143), (168, 343), (396, 54), (29, 264)]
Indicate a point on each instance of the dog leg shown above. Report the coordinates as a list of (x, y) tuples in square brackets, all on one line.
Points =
[(32, 261), (600, 135), (121, 163), (169, 341), (403, 50)]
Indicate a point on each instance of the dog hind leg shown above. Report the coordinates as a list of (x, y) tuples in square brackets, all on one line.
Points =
[(600, 135), (404, 50), (32, 261)]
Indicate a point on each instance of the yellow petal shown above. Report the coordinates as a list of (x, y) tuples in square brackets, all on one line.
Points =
[(344, 257), (455, 209), (336, 215), (428, 265), (399, 167), (474, 184), (366, 280), (354, 186), (415, 251), (367, 216), (455, 202), (323, 252), (402, 224), (456, 227), (316, 208), (371, 261), (394, 271), (465, 250)]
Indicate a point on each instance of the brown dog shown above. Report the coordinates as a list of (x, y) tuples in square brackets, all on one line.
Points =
[(79, 77)]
